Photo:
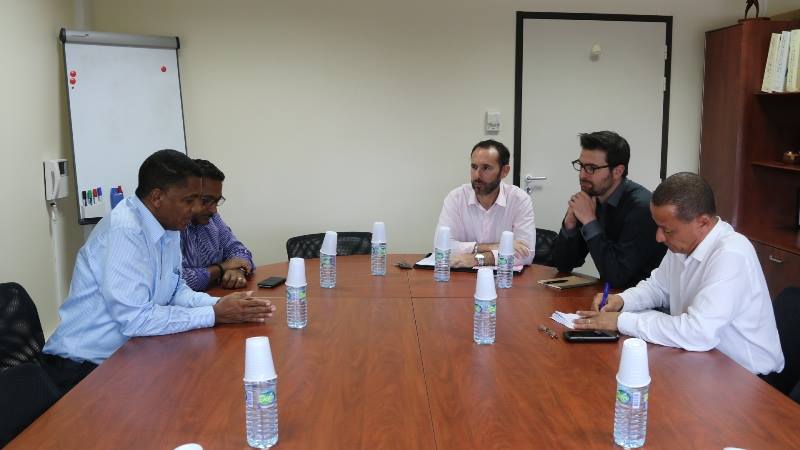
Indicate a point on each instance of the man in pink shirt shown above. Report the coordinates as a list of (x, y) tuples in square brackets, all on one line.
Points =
[(479, 212)]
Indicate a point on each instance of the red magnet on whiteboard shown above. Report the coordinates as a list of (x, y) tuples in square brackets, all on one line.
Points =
[(72, 81), (72, 73), (163, 68)]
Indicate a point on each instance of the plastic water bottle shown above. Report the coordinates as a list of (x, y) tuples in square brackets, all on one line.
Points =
[(327, 260), (378, 258), (505, 260), (441, 252), (327, 270), (483, 323), (441, 269), (261, 404), (260, 393), (505, 271), (378, 254), (485, 316), (296, 306), (630, 416)]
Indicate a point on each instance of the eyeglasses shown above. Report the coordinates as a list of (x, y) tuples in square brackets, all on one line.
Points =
[(548, 331), (211, 201), (588, 168)]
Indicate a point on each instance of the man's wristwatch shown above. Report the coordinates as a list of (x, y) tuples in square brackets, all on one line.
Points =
[(481, 259)]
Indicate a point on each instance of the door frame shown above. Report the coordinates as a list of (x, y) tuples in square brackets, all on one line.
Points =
[(522, 15)]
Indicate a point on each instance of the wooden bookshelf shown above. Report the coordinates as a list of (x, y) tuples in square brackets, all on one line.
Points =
[(745, 132), (777, 165)]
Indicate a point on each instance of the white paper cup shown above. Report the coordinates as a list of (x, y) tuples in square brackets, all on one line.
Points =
[(507, 243), (633, 368), (442, 240), (258, 364), (329, 243), (190, 446), (297, 273), (379, 233), (484, 288)]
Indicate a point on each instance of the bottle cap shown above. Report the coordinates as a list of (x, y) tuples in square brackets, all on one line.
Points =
[(297, 273), (329, 243), (484, 288), (379, 233), (633, 369), (258, 364), (507, 243), (443, 238)]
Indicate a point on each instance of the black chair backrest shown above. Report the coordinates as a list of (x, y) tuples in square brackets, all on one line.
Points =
[(347, 243), (21, 336), (787, 318), (545, 241)]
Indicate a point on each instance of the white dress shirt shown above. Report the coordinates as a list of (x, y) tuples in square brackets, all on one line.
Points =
[(717, 298), (470, 223)]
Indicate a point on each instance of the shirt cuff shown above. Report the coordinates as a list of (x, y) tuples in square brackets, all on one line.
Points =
[(591, 230), (569, 233), (204, 317), (626, 323)]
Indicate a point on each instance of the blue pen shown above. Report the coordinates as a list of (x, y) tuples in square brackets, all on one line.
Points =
[(605, 296)]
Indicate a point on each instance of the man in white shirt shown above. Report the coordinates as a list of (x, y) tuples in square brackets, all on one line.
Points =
[(479, 212), (710, 279)]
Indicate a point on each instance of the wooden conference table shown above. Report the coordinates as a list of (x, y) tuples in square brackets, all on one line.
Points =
[(389, 362)]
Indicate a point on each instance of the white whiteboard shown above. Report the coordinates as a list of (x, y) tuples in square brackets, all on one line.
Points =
[(124, 99)]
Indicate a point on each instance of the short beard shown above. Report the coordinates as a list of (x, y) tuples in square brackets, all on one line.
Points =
[(594, 192), (487, 188)]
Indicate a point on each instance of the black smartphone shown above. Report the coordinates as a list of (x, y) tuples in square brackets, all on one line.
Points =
[(271, 282), (590, 336)]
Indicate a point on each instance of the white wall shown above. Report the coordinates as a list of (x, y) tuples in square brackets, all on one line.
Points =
[(324, 115), (772, 7), (33, 128), (332, 115)]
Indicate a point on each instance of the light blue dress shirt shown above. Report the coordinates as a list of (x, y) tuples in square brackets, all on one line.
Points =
[(127, 282)]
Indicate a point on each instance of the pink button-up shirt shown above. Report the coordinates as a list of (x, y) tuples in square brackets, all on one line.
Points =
[(470, 223)]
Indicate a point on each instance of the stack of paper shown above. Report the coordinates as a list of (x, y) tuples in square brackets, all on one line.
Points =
[(566, 319)]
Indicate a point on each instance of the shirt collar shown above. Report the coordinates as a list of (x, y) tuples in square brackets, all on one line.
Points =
[(152, 227), (501, 200), (615, 197), (705, 246)]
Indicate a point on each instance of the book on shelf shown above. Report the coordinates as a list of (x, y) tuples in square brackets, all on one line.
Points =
[(779, 82), (793, 63), (769, 67)]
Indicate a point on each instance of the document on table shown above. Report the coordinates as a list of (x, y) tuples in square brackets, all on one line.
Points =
[(566, 319), (429, 262)]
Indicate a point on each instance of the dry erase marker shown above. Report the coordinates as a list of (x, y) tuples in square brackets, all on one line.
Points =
[(89, 196), (83, 196), (100, 192)]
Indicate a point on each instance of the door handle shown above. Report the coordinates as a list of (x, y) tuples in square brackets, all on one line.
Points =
[(775, 260), (529, 179)]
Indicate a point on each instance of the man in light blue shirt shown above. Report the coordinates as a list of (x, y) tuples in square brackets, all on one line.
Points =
[(127, 280)]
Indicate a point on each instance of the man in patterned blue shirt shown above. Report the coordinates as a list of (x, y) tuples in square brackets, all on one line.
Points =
[(211, 253), (127, 280)]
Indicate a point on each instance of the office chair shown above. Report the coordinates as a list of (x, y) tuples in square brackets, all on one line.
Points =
[(26, 391), (348, 243), (545, 242), (21, 336), (787, 318)]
